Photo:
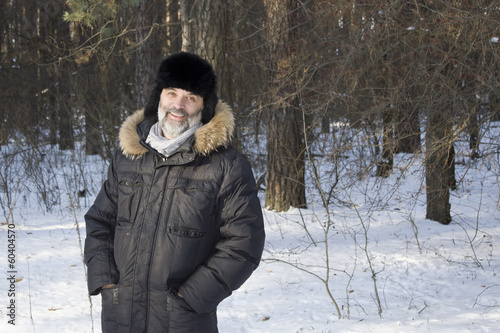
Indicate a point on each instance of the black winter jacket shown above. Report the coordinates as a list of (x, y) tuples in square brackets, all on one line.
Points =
[(190, 225)]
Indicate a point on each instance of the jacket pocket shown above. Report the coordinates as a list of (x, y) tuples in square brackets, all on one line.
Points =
[(116, 305), (189, 233), (182, 318), (195, 202), (129, 199), (186, 246), (109, 307)]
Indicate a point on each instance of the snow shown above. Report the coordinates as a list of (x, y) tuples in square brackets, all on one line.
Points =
[(428, 277)]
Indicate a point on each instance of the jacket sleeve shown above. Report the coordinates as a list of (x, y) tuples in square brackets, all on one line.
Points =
[(100, 223), (239, 250)]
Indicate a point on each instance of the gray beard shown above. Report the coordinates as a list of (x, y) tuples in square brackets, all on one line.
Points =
[(172, 128)]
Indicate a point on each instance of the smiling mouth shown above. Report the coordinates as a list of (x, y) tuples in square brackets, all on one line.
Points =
[(177, 116)]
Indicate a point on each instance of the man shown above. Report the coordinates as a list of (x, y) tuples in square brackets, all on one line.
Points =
[(177, 226)]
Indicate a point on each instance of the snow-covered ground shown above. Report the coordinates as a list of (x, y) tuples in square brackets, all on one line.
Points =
[(388, 268)]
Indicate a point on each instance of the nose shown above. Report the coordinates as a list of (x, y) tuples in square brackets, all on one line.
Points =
[(180, 102)]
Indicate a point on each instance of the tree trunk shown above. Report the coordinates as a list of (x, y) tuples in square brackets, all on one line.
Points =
[(494, 106), (325, 123), (144, 68), (285, 141), (407, 130), (32, 120), (470, 110), (439, 166), (93, 140), (385, 165), (63, 91), (65, 112), (47, 98), (209, 31), (90, 97), (473, 129), (285, 161), (174, 30), (3, 28), (187, 25)]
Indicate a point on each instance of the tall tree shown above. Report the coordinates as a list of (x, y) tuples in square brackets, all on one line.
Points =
[(186, 10), (89, 82), (439, 164), (174, 28), (210, 28), (440, 107), (285, 183), (407, 122), (63, 72), (203, 26), (144, 68)]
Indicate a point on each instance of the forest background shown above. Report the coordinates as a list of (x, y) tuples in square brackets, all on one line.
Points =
[(412, 75), (335, 91)]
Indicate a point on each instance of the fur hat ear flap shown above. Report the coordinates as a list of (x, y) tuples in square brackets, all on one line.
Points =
[(189, 72), (209, 103), (151, 109)]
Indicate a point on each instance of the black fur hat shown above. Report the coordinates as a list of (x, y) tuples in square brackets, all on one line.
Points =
[(189, 72)]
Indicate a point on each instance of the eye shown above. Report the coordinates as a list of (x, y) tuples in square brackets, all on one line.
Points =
[(169, 93)]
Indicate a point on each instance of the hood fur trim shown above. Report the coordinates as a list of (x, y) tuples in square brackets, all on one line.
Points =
[(129, 138), (217, 133)]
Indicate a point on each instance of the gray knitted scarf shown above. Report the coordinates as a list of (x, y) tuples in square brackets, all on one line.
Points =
[(165, 146)]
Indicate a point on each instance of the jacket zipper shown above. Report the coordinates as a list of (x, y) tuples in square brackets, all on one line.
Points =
[(155, 236)]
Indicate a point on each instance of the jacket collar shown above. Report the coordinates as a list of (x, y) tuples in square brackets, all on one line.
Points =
[(215, 134)]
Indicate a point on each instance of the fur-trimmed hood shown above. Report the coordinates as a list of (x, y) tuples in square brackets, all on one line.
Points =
[(217, 133)]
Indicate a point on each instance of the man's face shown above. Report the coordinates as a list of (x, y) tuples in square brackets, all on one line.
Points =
[(178, 111)]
